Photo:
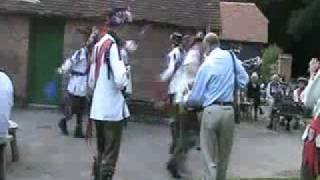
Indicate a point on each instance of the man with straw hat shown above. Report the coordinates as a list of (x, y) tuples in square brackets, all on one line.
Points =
[(108, 78)]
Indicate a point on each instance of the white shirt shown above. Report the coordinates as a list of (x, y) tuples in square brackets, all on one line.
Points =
[(174, 56), (311, 95), (78, 84), (108, 103), (189, 70), (125, 59), (6, 103), (296, 96)]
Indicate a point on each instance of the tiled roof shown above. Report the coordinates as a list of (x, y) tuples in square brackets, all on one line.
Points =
[(63, 8), (191, 13), (243, 22)]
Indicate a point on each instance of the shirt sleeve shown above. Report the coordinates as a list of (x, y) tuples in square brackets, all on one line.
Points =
[(118, 68), (242, 75), (196, 97), (312, 92), (295, 95), (169, 71)]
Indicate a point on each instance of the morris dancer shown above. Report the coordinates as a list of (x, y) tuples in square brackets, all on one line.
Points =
[(186, 125), (175, 58), (108, 78), (172, 76), (77, 67), (310, 168), (213, 90)]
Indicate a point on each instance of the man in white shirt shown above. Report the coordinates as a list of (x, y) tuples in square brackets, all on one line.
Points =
[(185, 128), (77, 69), (108, 77), (6, 102)]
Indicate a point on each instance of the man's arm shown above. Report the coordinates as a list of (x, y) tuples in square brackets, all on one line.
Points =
[(196, 97), (168, 73), (118, 68), (66, 66), (242, 75), (312, 92), (91, 75)]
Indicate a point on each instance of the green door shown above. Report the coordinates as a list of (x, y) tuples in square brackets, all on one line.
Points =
[(46, 48)]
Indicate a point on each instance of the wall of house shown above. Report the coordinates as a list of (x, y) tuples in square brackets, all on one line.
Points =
[(14, 38), (72, 38), (147, 62)]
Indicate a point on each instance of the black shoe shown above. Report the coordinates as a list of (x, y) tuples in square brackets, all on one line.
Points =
[(78, 133), (63, 127), (173, 170)]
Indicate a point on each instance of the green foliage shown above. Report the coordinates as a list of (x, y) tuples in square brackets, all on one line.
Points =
[(305, 20), (270, 57)]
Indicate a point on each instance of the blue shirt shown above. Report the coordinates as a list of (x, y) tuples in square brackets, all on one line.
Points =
[(215, 79)]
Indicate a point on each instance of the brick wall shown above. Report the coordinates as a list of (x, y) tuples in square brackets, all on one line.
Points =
[(72, 38), (149, 59), (14, 38), (147, 62)]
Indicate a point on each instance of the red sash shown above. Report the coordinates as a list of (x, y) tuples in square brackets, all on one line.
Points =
[(311, 152)]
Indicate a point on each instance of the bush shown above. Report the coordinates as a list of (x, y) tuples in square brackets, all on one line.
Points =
[(269, 64)]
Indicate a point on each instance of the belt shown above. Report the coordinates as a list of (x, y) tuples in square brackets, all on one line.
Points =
[(75, 73), (222, 103)]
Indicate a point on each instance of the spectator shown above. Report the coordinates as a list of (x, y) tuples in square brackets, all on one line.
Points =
[(254, 94)]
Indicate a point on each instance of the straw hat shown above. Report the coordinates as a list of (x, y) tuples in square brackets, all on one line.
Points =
[(302, 79)]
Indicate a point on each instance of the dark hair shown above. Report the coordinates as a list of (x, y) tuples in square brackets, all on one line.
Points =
[(116, 37)]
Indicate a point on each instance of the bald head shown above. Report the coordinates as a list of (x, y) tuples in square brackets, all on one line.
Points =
[(211, 39)]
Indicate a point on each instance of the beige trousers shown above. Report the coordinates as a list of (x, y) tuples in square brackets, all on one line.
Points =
[(216, 139)]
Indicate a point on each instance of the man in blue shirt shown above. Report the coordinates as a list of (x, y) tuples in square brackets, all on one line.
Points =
[(213, 91)]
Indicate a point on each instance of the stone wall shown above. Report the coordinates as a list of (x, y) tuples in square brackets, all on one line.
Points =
[(14, 37)]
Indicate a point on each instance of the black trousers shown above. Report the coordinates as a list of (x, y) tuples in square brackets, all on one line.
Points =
[(108, 146), (185, 134), (75, 105)]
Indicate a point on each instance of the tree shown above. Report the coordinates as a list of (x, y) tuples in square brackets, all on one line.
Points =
[(269, 61), (305, 20)]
